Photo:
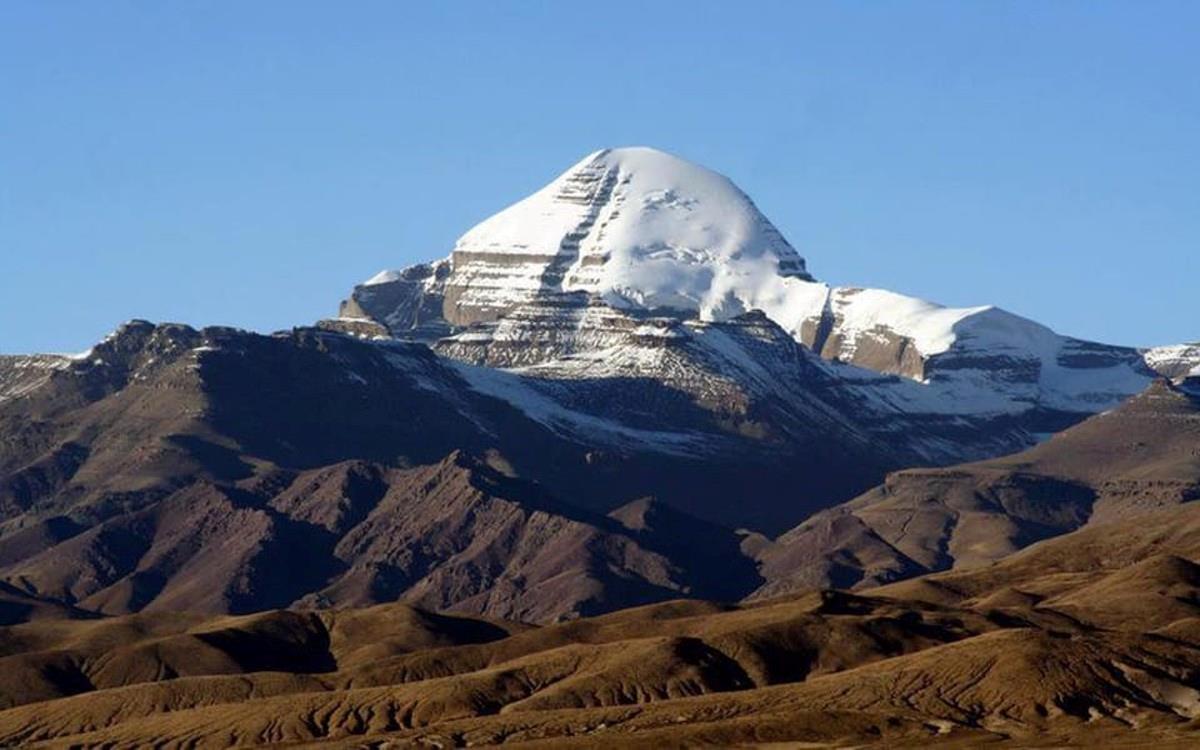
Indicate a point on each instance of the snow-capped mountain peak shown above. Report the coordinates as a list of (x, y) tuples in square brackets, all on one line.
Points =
[(643, 232), (637, 226)]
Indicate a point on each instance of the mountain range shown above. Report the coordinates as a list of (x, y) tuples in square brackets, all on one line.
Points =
[(627, 390)]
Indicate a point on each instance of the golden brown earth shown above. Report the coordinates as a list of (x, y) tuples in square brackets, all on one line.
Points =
[(1092, 638)]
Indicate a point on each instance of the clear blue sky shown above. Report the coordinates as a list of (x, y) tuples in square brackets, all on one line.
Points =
[(247, 163)]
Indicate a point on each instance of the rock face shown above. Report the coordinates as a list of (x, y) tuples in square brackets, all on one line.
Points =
[(642, 233), (1140, 458), (21, 374), (410, 301), (1175, 361)]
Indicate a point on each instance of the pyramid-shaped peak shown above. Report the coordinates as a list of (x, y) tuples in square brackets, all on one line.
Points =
[(639, 226)]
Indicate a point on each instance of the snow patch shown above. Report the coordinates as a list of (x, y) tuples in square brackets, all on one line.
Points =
[(383, 277), (517, 391)]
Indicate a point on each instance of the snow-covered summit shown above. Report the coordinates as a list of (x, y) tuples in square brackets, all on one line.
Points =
[(645, 232), (637, 226)]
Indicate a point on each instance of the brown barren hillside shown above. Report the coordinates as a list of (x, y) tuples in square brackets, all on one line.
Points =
[(1090, 638)]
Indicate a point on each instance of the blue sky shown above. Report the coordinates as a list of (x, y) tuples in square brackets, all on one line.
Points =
[(247, 163)]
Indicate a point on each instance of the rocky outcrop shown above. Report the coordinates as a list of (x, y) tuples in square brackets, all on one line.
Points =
[(409, 301), (1175, 361), (20, 374)]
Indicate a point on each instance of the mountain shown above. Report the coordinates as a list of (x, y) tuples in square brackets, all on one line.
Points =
[(618, 471), (1090, 639), (635, 335), (1139, 458), (640, 231), (220, 471), (637, 227)]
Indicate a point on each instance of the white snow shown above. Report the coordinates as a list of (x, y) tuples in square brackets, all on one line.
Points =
[(1176, 359), (689, 217), (519, 392), (637, 226), (383, 277), (659, 332), (931, 327)]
